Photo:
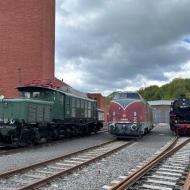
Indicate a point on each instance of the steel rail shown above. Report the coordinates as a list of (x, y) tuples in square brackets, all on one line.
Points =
[(44, 181), (134, 177), (4, 152), (12, 172), (186, 185)]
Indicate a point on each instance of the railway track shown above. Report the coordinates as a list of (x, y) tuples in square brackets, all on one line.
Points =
[(4, 152), (166, 171), (38, 174), (7, 151), (186, 185)]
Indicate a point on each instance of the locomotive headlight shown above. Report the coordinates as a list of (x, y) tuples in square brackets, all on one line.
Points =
[(12, 121), (6, 103), (134, 116), (111, 126), (134, 127)]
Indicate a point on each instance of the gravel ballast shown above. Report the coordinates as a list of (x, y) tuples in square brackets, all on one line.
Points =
[(101, 173), (31, 156)]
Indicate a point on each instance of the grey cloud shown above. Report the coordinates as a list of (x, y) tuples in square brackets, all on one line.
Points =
[(128, 38)]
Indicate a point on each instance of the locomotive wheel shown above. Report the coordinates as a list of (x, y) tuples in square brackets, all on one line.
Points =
[(140, 136), (146, 131), (55, 134), (27, 138), (87, 130)]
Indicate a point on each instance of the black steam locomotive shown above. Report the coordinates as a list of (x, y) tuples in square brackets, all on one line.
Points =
[(180, 116)]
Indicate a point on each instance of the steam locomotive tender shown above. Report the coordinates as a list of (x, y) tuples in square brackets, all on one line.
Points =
[(45, 113), (129, 115), (180, 116)]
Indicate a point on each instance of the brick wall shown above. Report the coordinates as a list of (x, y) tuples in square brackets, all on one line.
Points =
[(27, 30)]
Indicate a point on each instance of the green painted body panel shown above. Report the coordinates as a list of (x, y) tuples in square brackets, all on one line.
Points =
[(31, 111), (10, 110), (79, 108), (58, 107)]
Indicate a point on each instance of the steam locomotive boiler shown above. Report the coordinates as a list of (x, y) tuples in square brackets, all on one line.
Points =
[(129, 115)]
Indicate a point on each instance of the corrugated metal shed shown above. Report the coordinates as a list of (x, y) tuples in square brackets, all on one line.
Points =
[(161, 109), (160, 102)]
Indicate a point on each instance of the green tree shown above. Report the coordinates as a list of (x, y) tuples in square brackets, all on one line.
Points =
[(168, 91)]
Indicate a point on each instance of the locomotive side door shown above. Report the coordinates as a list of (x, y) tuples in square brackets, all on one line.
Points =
[(61, 106)]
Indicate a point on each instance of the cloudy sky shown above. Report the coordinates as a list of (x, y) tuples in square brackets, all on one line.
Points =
[(108, 45)]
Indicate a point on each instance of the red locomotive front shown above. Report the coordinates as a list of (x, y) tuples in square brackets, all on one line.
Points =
[(129, 115)]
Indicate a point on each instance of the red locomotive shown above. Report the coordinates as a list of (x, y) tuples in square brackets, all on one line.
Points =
[(129, 115), (180, 116)]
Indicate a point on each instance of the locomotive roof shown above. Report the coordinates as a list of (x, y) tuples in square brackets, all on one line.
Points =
[(64, 90), (127, 95), (160, 102), (25, 100)]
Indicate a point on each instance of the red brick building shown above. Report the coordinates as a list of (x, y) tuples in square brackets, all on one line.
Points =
[(27, 33)]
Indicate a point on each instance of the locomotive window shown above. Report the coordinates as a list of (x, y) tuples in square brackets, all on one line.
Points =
[(45, 94), (130, 95), (133, 96), (82, 103), (26, 94), (78, 103), (73, 112), (73, 102), (85, 113), (120, 96), (67, 100), (36, 94), (89, 113), (89, 105), (86, 104), (61, 98)]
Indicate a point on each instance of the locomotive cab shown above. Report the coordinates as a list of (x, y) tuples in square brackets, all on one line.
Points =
[(37, 93)]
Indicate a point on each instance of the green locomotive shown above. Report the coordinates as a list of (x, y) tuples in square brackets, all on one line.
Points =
[(46, 112)]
